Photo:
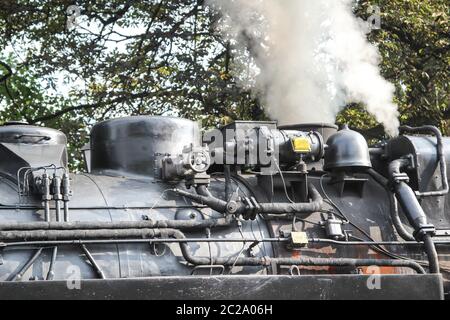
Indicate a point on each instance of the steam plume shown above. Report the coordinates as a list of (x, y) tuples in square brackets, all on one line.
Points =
[(307, 59)]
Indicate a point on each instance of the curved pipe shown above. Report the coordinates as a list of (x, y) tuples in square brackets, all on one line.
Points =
[(303, 261), (271, 208), (203, 190), (406, 196), (414, 212), (396, 221), (396, 166), (189, 257), (210, 201), (433, 257), (440, 155), (282, 208)]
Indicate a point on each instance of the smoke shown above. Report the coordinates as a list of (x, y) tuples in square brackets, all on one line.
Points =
[(307, 59)]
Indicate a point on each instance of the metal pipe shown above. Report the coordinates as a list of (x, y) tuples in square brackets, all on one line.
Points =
[(77, 225), (65, 188), (414, 212), (183, 241), (94, 264), (46, 196), (66, 210), (345, 262), (365, 243), (430, 249), (269, 208), (51, 273), (308, 207), (27, 266), (137, 240), (58, 211), (440, 156), (303, 261), (224, 240), (56, 183), (243, 261), (47, 210), (203, 190), (406, 196), (33, 207), (396, 221), (42, 235)]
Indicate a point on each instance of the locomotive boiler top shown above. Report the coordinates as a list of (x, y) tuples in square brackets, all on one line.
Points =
[(132, 144), (298, 220)]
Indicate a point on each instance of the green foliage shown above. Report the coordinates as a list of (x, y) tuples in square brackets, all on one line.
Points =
[(414, 42), (165, 57)]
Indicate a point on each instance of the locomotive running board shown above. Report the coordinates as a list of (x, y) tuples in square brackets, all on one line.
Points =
[(235, 287)]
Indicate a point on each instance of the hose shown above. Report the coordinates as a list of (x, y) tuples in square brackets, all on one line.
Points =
[(433, 258), (283, 208), (396, 221), (414, 212), (77, 225), (190, 258), (303, 261), (265, 208)]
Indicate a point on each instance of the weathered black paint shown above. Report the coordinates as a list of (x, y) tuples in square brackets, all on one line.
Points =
[(334, 287)]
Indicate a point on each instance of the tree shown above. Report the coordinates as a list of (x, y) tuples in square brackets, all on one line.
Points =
[(414, 41), (131, 57)]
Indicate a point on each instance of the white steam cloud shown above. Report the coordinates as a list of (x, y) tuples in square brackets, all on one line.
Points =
[(308, 59)]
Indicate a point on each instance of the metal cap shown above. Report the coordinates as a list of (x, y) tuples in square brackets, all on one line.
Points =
[(347, 149)]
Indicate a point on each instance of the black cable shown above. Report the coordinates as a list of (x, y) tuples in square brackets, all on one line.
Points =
[(377, 248), (282, 179)]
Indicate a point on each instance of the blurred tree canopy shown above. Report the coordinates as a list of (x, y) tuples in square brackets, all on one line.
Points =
[(132, 57)]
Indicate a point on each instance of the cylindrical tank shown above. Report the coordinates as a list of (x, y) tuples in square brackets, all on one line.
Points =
[(23, 145), (131, 144), (19, 132)]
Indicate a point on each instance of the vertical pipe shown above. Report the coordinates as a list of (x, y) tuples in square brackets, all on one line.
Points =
[(66, 210), (57, 196), (47, 210), (65, 188), (46, 196), (430, 249), (58, 211), (414, 212)]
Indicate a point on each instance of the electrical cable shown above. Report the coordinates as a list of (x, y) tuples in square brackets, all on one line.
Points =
[(282, 179), (375, 247)]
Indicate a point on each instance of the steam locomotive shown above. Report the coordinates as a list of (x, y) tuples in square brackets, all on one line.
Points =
[(165, 210)]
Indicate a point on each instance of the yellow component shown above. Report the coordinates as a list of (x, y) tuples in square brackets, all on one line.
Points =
[(301, 145), (299, 239)]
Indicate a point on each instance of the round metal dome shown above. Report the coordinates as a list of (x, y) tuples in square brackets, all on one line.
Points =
[(347, 149)]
